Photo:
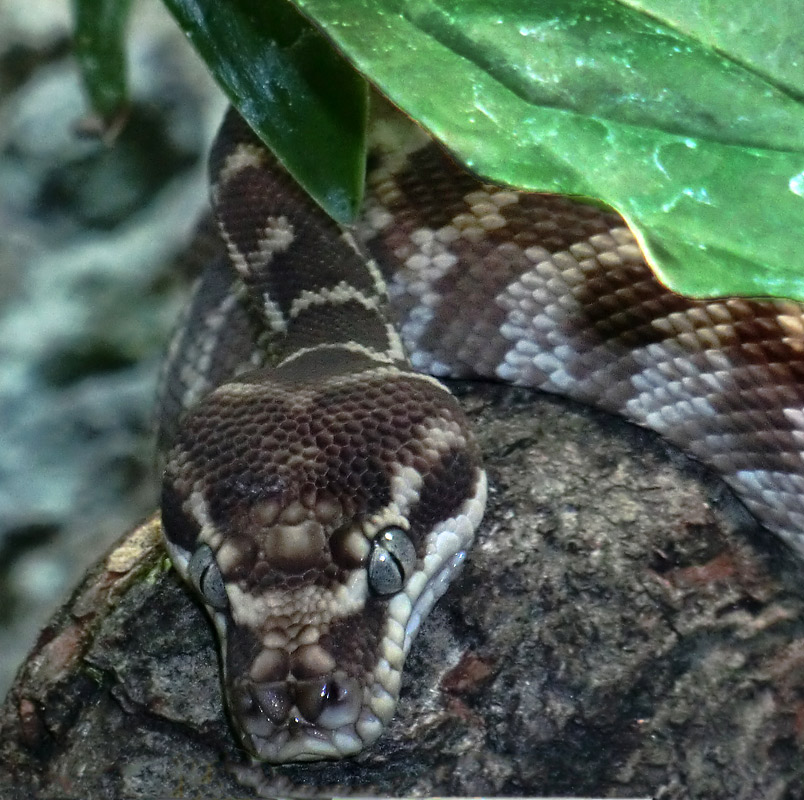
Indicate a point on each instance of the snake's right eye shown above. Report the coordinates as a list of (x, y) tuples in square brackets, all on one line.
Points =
[(205, 575), (393, 558)]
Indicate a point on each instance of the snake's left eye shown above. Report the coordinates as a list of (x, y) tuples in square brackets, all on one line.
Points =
[(393, 558), (206, 577)]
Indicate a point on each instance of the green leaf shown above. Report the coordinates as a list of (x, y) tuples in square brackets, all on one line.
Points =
[(676, 120), (99, 33), (294, 90), (765, 38)]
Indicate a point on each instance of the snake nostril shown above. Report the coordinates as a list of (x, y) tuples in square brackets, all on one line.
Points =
[(329, 694), (331, 701), (310, 698), (333, 692), (342, 703)]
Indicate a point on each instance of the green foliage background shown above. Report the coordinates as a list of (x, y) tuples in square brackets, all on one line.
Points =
[(686, 116)]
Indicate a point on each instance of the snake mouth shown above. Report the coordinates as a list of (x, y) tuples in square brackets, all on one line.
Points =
[(452, 540), (435, 588), (311, 720)]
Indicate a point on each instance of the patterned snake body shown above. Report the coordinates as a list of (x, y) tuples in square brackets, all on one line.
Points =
[(320, 505), (319, 494)]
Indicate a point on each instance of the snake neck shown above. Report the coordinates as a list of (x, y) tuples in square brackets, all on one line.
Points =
[(336, 307)]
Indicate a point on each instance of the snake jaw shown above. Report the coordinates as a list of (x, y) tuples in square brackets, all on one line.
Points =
[(327, 716), (448, 545), (273, 727), (340, 730)]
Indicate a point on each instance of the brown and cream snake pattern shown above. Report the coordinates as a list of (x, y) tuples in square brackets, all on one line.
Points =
[(320, 492)]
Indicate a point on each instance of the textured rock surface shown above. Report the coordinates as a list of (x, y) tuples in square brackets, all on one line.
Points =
[(619, 630)]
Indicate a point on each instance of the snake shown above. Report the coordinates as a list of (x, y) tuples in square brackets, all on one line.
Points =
[(322, 487)]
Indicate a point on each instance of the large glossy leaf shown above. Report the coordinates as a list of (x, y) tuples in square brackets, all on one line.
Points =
[(295, 91), (673, 117), (99, 34)]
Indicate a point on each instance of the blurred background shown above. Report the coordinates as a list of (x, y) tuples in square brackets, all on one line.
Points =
[(90, 235)]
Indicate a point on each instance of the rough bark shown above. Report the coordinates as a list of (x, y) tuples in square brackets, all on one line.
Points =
[(621, 629)]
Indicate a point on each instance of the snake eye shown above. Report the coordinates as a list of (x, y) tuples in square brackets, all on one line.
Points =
[(393, 558), (206, 577)]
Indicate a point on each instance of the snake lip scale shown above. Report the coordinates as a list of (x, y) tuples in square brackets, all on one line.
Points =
[(320, 490)]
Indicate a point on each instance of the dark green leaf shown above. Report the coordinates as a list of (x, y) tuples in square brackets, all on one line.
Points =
[(100, 27), (296, 92)]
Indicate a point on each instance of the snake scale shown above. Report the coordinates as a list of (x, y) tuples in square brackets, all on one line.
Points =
[(320, 490)]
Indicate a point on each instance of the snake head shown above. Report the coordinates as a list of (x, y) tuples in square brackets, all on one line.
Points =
[(319, 524)]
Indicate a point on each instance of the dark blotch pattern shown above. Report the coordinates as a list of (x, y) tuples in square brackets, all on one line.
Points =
[(216, 320), (336, 323)]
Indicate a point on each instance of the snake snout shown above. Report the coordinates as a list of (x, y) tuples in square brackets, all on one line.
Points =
[(299, 720)]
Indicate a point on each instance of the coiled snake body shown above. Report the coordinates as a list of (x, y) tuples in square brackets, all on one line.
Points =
[(319, 493)]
